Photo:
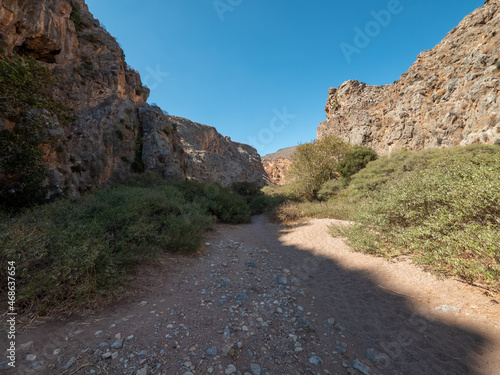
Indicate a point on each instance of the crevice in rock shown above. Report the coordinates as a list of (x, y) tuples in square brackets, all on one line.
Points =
[(40, 48)]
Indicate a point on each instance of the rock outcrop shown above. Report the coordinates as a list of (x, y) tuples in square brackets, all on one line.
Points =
[(450, 96), (178, 148), (112, 123), (277, 165)]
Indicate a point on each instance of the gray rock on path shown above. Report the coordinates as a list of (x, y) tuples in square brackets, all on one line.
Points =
[(376, 356), (212, 350), (70, 363), (361, 367), (255, 369), (143, 371), (241, 297), (31, 357), (117, 344), (231, 369), (107, 355), (315, 360), (282, 280), (26, 346), (447, 308), (4, 365)]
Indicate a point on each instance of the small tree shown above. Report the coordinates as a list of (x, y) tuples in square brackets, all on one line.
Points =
[(355, 161), (315, 163)]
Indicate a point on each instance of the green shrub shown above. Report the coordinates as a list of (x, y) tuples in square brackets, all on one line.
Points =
[(147, 179), (332, 188), (443, 208), (315, 163), (355, 161), (76, 15), (71, 255), (224, 204), (263, 203), (138, 165), (248, 190), (377, 173), (24, 86)]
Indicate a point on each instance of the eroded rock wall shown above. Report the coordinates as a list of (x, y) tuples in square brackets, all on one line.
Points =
[(108, 101), (450, 96)]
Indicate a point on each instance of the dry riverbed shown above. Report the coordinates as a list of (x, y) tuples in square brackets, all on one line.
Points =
[(261, 299)]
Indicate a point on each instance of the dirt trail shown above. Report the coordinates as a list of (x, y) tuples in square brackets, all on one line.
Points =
[(263, 299)]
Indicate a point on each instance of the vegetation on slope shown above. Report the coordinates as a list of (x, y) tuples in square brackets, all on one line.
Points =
[(26, 101), (73, 254), (440, 206)]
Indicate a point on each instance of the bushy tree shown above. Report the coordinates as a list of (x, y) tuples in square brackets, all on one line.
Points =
[(355, 161), (315, 163)]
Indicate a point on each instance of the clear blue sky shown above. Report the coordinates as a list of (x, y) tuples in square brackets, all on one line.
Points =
[(259, 70)]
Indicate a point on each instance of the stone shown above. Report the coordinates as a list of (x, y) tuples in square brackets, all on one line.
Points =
[(26, 346), (143, 371), (70, 363), (117, 344), (331, 321), (31, 357), (376, 356), (361, 367), (107, 355), (212, 351), (230, 369), (315, 360), (255, 368), (446, 308), (241, 297)]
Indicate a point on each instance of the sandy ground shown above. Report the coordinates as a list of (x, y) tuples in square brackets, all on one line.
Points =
[(264, 299)]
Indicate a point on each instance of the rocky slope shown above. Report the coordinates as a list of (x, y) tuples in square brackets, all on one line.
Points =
[(448, 97), (108, 101), (277, 164)]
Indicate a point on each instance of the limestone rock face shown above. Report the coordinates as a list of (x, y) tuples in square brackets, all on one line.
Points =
[(178, 148), (277, 165), (108, 101), (209, 156), (450, 96)]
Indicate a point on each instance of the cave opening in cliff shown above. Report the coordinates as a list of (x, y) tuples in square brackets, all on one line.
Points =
[(40, 49)]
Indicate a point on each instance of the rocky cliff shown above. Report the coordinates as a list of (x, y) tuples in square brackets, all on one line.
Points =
[(178, 148), (448, 97), (111, 131), (277, 165)]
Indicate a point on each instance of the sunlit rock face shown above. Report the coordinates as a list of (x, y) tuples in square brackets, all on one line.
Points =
[(112, 121), (448, 97)]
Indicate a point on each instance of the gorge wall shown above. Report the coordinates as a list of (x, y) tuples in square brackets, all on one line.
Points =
[(112, 130), (277, 165), (450, 96)]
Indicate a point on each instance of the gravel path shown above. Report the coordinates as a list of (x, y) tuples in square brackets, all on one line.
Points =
[(260, 299)]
